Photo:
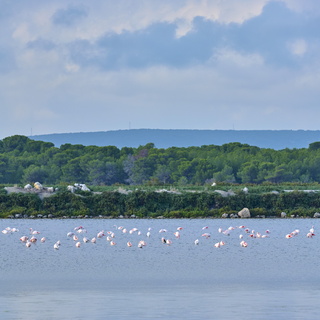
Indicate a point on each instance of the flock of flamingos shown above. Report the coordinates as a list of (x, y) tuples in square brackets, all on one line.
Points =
[(79, 236)]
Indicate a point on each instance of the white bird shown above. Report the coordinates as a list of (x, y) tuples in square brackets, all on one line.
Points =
[(196, 242), (34, 231), (24, 239), (243, 244), (100, 234)]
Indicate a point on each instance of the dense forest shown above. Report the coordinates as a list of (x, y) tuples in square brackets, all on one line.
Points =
[(23, 160), (138, 174)]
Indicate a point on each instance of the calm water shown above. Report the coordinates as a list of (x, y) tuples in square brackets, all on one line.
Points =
[(273, 278)]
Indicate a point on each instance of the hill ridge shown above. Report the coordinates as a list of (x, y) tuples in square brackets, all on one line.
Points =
[(165, 138)]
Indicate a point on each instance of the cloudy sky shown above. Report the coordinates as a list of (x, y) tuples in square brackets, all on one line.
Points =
[(80, 66)]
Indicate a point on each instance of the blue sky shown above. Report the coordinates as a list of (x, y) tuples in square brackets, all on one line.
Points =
[(80, 66)]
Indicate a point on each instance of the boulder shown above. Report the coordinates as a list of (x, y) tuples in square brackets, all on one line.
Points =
[(71, 188), (38, 186), (224, 215), (316, 215), (283, 215), (244, 213)]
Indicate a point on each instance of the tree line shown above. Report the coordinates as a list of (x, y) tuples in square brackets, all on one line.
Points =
[(23, 160)]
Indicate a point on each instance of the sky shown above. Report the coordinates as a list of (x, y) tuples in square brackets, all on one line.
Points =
[(84, 66)]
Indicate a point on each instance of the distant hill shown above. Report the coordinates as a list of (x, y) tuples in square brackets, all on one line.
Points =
[(162, 138)]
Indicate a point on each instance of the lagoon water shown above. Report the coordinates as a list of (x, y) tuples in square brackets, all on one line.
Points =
[(272, 278)]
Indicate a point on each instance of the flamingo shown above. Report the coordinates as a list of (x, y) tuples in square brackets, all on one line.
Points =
[(243, 244), (93, 240), (33, 239), (34, 231), (24, 239), (196, 242), (129, 244), (100, 234), (141, 244), (43, 239), (28, 244), (78, 244), (56, 246)]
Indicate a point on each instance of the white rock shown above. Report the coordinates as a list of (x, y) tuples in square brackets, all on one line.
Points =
[(244, 213)]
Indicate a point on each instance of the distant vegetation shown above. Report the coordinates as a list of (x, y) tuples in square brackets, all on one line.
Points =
[(23, 160), (151, 182)]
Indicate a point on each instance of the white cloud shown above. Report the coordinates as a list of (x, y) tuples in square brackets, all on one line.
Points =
[(298, 47), (108, 16), (48, 91), (71, 67)]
